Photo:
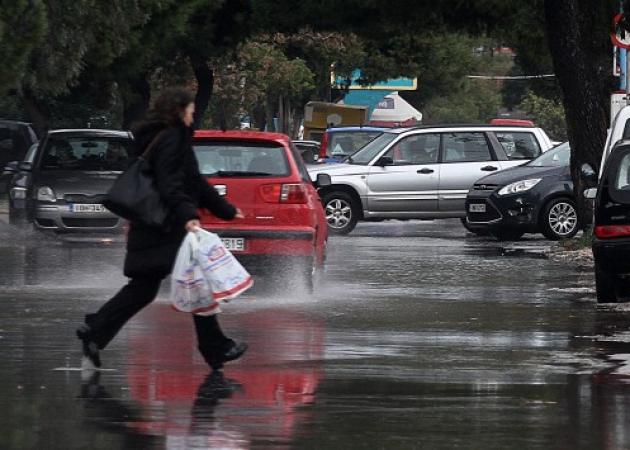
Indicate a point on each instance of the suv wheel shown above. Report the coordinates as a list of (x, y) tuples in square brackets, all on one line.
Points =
[(341, 212), (17, 219), (560, 219), (606, 284)]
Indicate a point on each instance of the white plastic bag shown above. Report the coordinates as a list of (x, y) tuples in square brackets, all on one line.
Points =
[(225, 275), (190, 291)]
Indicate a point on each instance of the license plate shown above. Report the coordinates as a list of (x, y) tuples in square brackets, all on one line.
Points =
[(234, 244), (87, 208), (477, 208)]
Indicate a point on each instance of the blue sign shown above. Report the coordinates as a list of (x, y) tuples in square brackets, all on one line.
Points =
[(394, 84)]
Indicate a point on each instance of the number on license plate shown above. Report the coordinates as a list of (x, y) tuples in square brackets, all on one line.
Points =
[(87, 208), (234, 244), (477, 208)]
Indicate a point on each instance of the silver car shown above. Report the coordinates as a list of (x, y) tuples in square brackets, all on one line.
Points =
[(61, 185), (421, 173)]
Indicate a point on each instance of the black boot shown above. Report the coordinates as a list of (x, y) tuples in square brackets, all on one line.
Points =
[(213, 345), (90, 348)]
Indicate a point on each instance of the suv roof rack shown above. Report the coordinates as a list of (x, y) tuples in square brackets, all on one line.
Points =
[(467, 125)]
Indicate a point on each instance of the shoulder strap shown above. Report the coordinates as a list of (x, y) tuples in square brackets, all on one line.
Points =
[(152, 144)]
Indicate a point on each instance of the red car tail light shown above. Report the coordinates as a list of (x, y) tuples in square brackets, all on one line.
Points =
[(323, 148), (283, 193), (293, 193), (612, 231), (271, 193)]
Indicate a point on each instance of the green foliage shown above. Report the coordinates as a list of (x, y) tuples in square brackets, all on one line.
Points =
[(474, 103), (258, 76), (548, 114), (22, 26)]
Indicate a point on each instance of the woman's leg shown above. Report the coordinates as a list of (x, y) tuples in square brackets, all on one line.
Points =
[(107, 322)]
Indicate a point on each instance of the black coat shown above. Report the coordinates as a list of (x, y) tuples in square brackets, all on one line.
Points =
[(152, 251)]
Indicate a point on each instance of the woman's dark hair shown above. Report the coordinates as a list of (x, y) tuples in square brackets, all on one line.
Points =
[(169, 104)]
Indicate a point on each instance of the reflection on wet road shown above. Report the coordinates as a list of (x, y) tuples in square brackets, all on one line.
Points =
[(419, 336)]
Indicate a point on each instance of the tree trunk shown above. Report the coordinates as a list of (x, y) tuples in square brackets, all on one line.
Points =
[(269, 115), (259, 117), (136, 101), (205, 85), (580, 49), (281, 114), (35, 113)]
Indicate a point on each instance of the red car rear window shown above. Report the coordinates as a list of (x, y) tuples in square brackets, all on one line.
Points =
[(241, 158)]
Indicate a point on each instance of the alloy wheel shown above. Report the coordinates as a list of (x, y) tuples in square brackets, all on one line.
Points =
[(338, 213), (563, 218)]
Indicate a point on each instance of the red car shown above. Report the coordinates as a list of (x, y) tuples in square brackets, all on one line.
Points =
[(285, 228)]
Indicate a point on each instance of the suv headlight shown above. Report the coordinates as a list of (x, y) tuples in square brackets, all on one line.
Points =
[(519, 186), (46, 194)]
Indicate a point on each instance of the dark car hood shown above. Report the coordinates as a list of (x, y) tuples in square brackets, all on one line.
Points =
[(77, 181), (514, 174)]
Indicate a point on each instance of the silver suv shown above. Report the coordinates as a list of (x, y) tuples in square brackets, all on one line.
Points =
[(421, 173)]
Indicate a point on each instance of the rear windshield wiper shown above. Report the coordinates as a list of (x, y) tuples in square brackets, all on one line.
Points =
[(240, 173)]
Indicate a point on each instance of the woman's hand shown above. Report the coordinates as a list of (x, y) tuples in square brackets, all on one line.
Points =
[(193, 225), (239, 214)]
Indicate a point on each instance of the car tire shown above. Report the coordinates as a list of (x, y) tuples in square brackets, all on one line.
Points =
[(16, 219), (342, 212), (559, 219), (472, 230), (606, 286), (507, 235)]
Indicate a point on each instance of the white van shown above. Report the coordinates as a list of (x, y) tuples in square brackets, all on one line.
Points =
[(619, 129)]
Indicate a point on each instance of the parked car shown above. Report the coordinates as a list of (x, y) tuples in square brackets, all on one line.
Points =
[(265, 177), (421, 173), (340, 142), (534, 198), (611, 240), (60, 187), (309, 150), (15, 140), (619, 130)]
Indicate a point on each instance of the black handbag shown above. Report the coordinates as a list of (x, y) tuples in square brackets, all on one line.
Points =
[(134, 195)]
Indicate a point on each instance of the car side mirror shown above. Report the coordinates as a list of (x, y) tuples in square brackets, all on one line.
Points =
[(590, 194), (588, 173), (385, 161), (25, 166), (323, 180)]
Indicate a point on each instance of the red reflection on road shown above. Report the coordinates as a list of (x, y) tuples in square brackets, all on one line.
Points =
[(279, 374)]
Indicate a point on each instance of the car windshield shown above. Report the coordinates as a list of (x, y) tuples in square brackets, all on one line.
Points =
[(87, 153), (236, 159), (345, 143), (556, 157), (372, 149)]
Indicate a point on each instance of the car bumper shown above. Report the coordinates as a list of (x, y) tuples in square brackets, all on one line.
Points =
[(270, 242), (611, 255), (514, 212), (59, 219)]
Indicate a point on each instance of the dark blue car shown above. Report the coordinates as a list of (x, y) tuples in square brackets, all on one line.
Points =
[(536, 197)]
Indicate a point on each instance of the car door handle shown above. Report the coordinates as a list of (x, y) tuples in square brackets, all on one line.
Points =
[(489, 168), (426, 171)]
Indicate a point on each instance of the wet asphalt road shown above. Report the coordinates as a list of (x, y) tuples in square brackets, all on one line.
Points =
[(419, 337)]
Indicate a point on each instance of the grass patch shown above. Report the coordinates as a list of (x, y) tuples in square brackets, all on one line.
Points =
[(578, 243)]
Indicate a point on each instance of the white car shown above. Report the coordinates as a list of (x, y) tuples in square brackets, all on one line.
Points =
[(423, 172)]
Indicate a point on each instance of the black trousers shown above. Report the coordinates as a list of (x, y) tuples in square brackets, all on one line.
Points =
[(138, 293)]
